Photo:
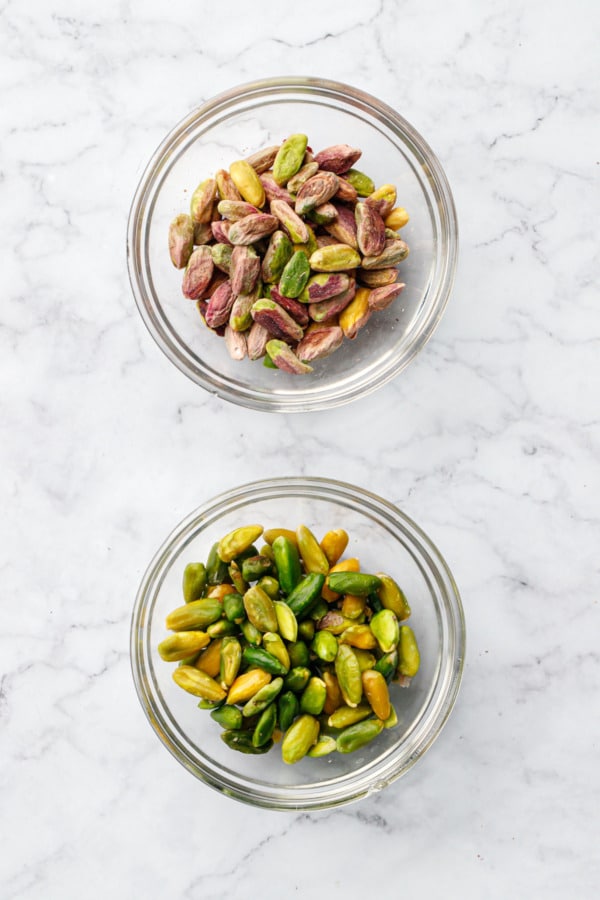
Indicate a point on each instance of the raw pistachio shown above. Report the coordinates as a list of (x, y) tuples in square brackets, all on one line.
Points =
[(278, 254), (221, 256), (228, 716), (381, 297), (325, 310), (247, 182), (289, 158), (397, 218), (333, 544), (299, 653), (393, 597), (333, 699), (359, 636), (262, 160), (220, 305), (233, 607), (202, 202), (336, 258), (287, 709), (237, 541), (273, 191), (247, 685), (324, 286), (240, 316), (181, 240), (252, 228), (301, 177), (210, 659), (325, 646), (296, 310), (221, 628), (257, 340), (356, 315), (313, 696), (370, 229), (346, 191), (353, 583), (374, 278), (226, 187), (393, 253), (270, 586), (242, 741), (382, 199), (235, 209), (250, 632), (285, 358), (338, 158), (354, 607), (376, 691), (235, 343), (388, 664), (296, 679), (295, 275), (343, 227), (277, 321), (292, 223), (220, 231), (231, 659), (361, 182), (203, 233), (306, 593), (317, 190), (198, 273), (319, 341)]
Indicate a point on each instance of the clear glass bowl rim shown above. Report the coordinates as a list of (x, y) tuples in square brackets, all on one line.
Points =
[(303, 400), (315, 796)]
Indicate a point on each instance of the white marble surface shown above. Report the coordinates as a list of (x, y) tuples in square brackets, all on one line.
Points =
[(490, 440)]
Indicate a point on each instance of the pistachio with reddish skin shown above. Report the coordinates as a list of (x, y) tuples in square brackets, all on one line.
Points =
[(181, 240), (346, 191), (317, 190), (296, 310), (257, 339), (225, 186), (381, 297), (323, 214), (245, 269), (343, 226), (382, 199), (262, 160), (202, 202), (285, 359), (235, 342), (240, 317), (301, 177), (275, 319), (252, 228), (374, 278), (370, 229), (292, 223), (393, 252), (319, 341), (219, 307), (274, 191), (202, 233), (324, 286), (198, 273), (235, 209), (338, 158), (326, 309), (220, 231)]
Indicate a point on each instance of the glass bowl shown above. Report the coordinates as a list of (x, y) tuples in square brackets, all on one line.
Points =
[(238, 123), (384, 539)]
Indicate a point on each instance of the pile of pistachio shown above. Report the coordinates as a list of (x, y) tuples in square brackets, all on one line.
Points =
[(291, 643), (288, 253)]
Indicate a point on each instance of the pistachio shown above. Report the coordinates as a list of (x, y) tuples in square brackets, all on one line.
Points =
[(370, 229), (361, 182), (336, 258), (262, 698), (397, 218), (409, 653), (181, 645), (384, 626), (381, 297), (338, 158), (333, 544), (231, 659), (324, 286), (279, 252), (246, 686), (221, 256), (356, 736), (260, 610), (289, 158), (244, 269), (220, 231), (226, 187), (374, 278), (247, 182), (346, 191), (295, 275), (323, 214), (275, 319), (219, 306), (263, 159), (326, 309), (251, 228), (286, 621), (240, 317), (296, 310), (382, 199), (344, 716), (393, 252), (348, 674), (285, 358), (299, 738), (356, 315), (292, 223), (343, 227), (324, 746), (317, 190), (198, 273), (233, 210), (301, 177), (237, 541), (319, 341), (235, 342), (273, 191), (312, 556), (257, 340), (202, 202), (197, 682), (376, 691), (181, 240), (195, 614)]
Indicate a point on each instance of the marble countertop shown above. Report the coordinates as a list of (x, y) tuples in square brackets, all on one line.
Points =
[(490, 440)]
